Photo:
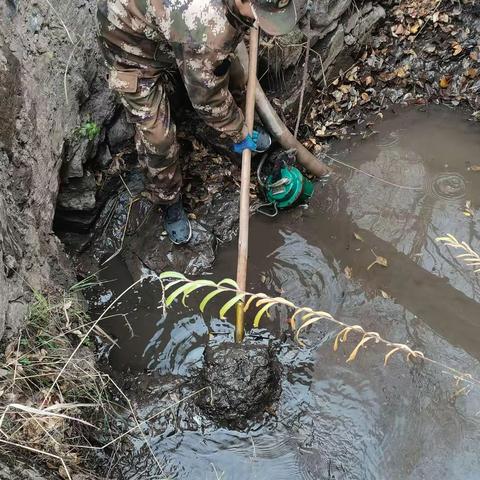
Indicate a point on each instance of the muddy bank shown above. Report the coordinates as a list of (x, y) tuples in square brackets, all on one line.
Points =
[(36, 121), (333, 420)]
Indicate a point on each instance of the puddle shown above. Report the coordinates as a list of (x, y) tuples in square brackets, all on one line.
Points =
[(337, 420)]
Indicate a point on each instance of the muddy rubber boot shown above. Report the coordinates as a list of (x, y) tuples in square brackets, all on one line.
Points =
[(177, 223)]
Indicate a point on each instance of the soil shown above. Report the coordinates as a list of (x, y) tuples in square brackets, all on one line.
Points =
[(244, 381)]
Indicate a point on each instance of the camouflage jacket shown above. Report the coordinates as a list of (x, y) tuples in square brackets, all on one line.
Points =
[(200, 36)]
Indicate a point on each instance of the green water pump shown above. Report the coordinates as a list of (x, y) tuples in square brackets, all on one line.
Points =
[(285, 185)]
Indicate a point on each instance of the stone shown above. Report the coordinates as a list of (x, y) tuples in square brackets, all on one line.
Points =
[(104, 157), (120, 134), (78, 194), (325, 13)]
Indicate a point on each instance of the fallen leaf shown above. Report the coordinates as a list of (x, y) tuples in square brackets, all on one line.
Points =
[(368, 80), (457, 49), (468, 211), (358, 237), (474, 168), (471, 72), (365, 97), (401, 72), (415, 27), (348, 272), (384, 294), (444, 82), (382, 261)]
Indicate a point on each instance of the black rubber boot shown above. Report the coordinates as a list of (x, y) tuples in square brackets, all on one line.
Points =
[(177, 223)]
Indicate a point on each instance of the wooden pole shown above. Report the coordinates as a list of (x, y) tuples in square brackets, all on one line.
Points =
[(245, 185)]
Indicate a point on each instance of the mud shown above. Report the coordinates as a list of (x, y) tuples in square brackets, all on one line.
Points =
[(332, 420), (243, 382)]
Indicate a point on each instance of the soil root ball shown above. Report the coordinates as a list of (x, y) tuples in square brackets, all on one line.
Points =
[(245, 382)]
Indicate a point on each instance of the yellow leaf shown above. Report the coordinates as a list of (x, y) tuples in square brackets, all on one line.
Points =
[(355, 351), (389, 354), (444, 82), (382, 261), (348, 272), (233, 301), (457, 48), (471, 73), (260, 313), (358, 237)]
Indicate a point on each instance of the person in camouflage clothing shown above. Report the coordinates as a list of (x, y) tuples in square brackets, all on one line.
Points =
[(143, 40)]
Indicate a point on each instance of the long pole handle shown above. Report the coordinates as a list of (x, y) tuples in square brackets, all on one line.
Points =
[(245, 185)]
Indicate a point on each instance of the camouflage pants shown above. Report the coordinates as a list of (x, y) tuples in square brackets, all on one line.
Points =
[(142, 84), (142, 89)]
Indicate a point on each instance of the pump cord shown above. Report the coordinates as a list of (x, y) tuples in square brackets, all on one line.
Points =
[(404, 187)]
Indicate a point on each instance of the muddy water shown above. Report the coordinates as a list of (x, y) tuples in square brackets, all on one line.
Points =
[(336, 420)]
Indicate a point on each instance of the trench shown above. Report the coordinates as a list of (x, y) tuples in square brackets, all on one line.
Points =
[(334, 420)]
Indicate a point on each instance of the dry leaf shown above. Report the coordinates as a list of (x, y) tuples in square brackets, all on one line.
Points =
[(382, 261), (457, 49), (401, 72), (415, 27), (444, 82), (365, 97), (385, 294), (358, 237), (474, 168), (471, 72), (468, 211), (368, 80), (348, 272)]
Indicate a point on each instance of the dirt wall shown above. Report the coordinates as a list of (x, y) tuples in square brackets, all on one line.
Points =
[(48, 67)]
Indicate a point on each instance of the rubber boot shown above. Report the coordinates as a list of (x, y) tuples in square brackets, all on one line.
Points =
[(176, 223)]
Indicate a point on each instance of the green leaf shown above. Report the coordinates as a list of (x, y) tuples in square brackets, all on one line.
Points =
[(260, 313), (233, 301), (165, 275), (229, 281), (208, 298), (172, 284), (176, 293), (195, 286)]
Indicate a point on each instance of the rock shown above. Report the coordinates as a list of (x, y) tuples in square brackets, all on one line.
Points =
[(120, 134), (362, 28), (325, 13), (104, 157), (78, 194), (245, 380)]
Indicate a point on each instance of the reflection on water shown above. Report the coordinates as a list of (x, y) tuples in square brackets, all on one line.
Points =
[(338, 420)]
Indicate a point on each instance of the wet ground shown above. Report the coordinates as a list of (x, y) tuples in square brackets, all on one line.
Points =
[(334, 420)]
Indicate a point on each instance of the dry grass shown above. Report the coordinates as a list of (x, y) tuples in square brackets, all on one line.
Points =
[(54, 403), (469, 256)]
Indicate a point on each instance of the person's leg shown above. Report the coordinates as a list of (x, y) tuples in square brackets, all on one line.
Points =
[(143, 95)]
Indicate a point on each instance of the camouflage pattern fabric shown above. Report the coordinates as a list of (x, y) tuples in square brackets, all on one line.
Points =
[(144, 40)]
